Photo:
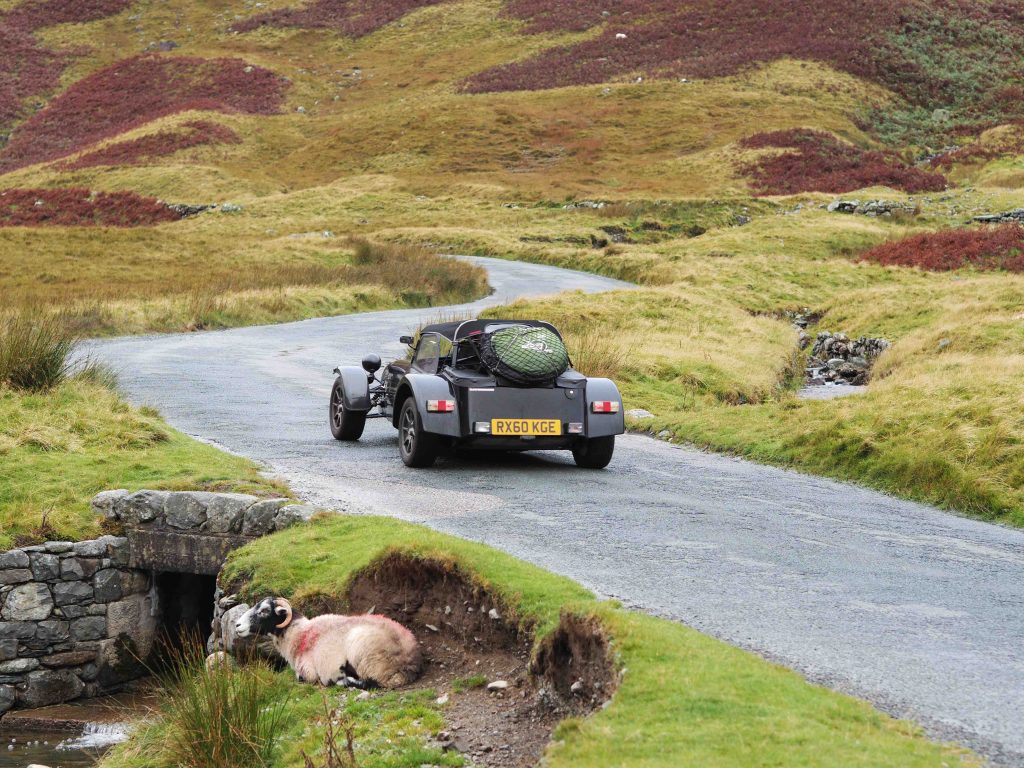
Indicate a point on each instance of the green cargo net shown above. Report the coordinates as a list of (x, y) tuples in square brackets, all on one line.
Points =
[(524, 354)]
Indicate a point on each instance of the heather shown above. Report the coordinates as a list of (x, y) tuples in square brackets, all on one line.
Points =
[(194, 133), (26, 67), (73, 207), (353, 18), (988, 248), (815, 161), (962, 55), (134, 91)]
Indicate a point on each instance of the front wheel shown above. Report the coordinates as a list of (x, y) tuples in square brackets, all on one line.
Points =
[(345, 425), (417, 448), (594, 452)]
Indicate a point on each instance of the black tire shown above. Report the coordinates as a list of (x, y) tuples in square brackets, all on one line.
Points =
[(416, 447), (345, 425), (595, 452)]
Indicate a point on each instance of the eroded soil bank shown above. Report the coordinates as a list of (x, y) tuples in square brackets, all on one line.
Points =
[(501, 704)]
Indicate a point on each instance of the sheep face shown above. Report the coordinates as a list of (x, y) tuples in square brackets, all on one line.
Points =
[(270, 616)]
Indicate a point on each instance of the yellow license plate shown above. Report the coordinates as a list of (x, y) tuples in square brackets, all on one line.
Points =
[(525, 427)]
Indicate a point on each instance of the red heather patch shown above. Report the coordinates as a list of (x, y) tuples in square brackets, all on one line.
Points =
[(821, 163), (990, 248), (80, 208), (26, 68), (353, 18), (194, 133), (36, 14), (1008, 145), (133, 92), (708, 38)]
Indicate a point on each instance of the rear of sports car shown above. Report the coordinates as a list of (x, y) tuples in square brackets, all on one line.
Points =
[(538, 418)]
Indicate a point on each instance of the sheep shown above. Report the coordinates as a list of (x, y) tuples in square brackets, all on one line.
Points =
[(366, 651)]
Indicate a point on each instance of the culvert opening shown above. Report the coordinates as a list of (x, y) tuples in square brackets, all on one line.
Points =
[(185, 603)]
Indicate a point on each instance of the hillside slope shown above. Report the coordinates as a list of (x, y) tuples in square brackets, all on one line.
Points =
[(691, 147)]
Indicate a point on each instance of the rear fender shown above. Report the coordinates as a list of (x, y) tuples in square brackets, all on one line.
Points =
[(422, 387), (604, 424), (355, 388)]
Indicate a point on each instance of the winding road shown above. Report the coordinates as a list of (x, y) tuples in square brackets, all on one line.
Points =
[(919, 611)]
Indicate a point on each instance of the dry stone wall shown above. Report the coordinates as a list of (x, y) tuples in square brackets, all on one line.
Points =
[(73, 616), (76, 617)]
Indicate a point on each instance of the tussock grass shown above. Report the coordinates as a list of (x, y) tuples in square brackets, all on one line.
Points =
[(35, 350), (61, 446), (221, 716)]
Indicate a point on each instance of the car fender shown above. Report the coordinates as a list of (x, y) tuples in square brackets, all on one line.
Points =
[(355, 388), (422, 387), (604, 424)]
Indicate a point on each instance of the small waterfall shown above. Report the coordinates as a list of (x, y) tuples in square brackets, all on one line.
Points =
[(96, 736)]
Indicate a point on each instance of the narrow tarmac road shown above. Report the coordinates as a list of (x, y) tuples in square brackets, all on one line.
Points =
[(919, 611)]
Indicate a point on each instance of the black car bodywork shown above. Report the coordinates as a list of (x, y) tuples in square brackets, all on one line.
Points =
[(443, 396)]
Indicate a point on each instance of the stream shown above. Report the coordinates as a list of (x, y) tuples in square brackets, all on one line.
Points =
[(20, 747)]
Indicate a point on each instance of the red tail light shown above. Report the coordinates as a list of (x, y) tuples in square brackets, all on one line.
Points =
[(440, 406), (604, 406)]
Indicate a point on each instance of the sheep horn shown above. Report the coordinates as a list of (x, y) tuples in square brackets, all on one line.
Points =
[(281, 602)]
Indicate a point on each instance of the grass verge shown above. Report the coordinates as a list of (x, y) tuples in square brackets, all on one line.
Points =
[(684, 699), (60, 447)]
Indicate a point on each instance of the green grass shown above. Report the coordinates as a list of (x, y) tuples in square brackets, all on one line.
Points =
[(60, 447), (251, 716), (684, 699)]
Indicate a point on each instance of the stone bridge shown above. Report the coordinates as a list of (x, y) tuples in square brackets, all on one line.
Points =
[(79, 619)]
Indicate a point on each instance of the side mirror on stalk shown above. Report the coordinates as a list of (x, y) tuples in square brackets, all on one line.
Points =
[(407, 340), (371, 364)]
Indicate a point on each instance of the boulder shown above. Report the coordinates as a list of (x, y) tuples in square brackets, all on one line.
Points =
[(258, 519), (103, 503), (6, 697), (53, 631), (185, 509), (294, 513), (14, 559), (15, 576), (45, 687), (71, 592), (108, 585), (89, 628), (18, 666), (45, 567), (140, 507), (225, 512), (28, 602)]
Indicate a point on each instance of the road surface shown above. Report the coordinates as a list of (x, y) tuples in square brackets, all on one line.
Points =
[(919, 611)]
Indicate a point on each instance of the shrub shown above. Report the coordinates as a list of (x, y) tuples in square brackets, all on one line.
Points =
[(35, 350), (988, 248), (76, 207), (194, 133), (348, 17), (963, 54), (819, 162), (222, 717), (133, 92), (28, 69)]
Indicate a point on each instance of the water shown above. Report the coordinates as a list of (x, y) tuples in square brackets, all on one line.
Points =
[(58, 749)]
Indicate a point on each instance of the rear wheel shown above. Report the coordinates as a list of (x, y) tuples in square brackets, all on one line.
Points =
[(594, 452), (345, 424), (416, 447)]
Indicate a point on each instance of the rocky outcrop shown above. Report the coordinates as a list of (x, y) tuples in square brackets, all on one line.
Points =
[(883, 208), (62, 606), (838, 360), (1016, 216)]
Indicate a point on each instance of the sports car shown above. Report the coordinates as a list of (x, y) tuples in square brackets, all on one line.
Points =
[(504, 385)]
